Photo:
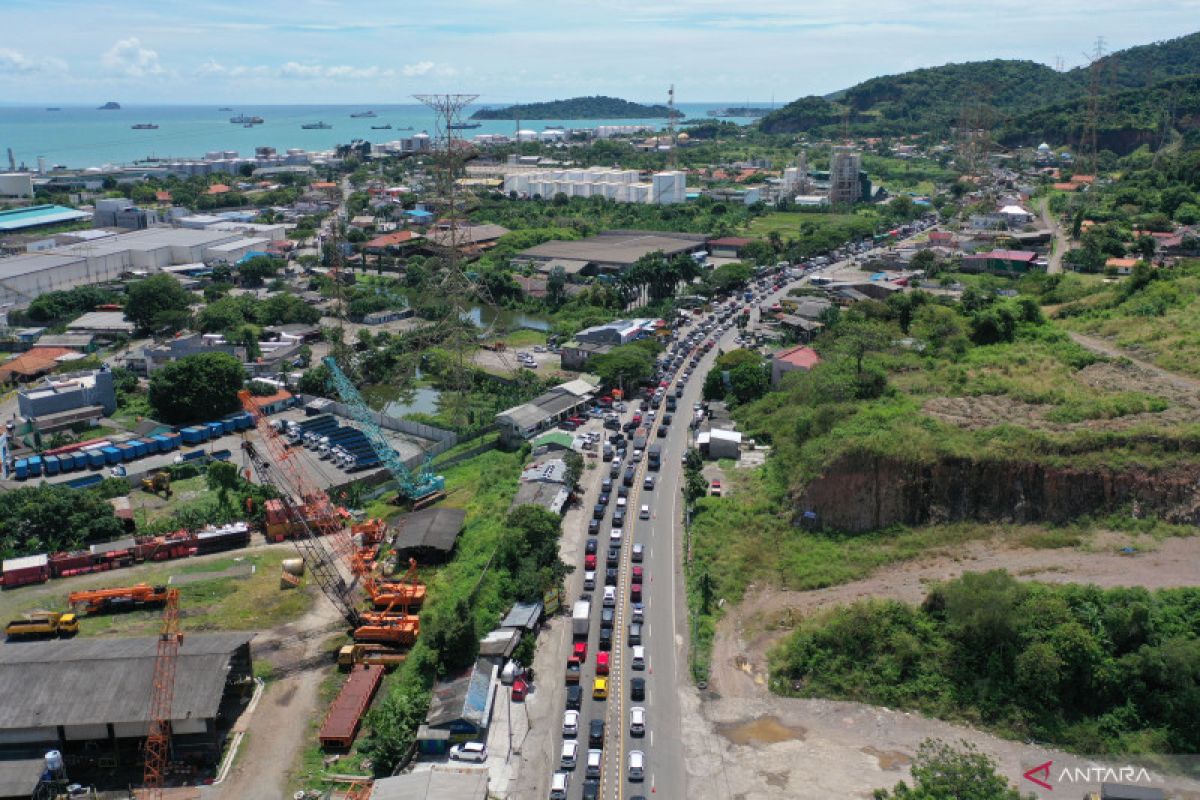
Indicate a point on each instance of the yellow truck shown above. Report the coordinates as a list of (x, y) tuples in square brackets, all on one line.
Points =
[(360, 653), (43, 625)]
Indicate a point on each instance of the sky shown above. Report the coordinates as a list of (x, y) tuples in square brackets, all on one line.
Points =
[(383, 51)]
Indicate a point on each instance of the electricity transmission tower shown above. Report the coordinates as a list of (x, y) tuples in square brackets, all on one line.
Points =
[(456, 288), (1088, 148)]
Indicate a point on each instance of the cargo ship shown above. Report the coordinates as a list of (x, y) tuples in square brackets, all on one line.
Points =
[(363, 115), (242, 119), (463, 126), (315, 126), (381, 127), (144, 126)]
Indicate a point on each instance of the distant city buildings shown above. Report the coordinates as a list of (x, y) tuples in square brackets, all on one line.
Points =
[(620, 185)]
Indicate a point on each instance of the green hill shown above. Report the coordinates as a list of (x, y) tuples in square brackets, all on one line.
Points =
[(1004, 92), (597, 107)]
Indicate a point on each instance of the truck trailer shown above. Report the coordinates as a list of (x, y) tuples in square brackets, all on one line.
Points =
[(581, 617)]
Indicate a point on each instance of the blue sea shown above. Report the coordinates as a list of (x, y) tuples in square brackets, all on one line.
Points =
[(78, 136)]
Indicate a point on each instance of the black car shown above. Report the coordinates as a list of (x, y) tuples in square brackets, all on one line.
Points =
[(622, 491), (603, 498), (606, 637), (614, 556), (666, 420), (590, 547), (610, 577), (637, 688), (593, 526), (614, 470), (596, 733), (607, 616), (663, 430), (591, 789), (598, 511), (619, 518), (607, 483), (635, 633), (628, 480), (574, 696)]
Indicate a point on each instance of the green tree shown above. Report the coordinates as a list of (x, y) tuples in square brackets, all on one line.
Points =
[(37, 519), (556, 287), (944, 772), (714, 384), (450, 634), (157, 304), (392, 727), (624, 366), (856, 338), (927, 261), (222, 477), (256, 270), (196, 387), (748, 382)]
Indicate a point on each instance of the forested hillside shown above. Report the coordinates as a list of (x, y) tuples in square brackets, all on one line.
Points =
[(1030, 101), (597, 107)]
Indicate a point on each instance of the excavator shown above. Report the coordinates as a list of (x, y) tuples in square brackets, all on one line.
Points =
[(159, 483), (122, 598)]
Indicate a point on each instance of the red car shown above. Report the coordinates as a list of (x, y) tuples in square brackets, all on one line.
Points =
[(637, 574), (589, 561), (715, 489), (602, 663), (637, 419), (519, 690), (577, 420), (635, 592)]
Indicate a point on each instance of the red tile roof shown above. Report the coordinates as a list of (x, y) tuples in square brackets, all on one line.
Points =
[(37, 361), (799, 356), (1007, 255), (266, 400), (162, 196), (218, 188), (393, 239), (730, 241)]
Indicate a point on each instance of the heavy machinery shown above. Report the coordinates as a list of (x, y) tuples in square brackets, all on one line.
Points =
[(407, 593), (361, 653), (122, 598), (159, 483), (43, 625), (158, 741), (423, 487)]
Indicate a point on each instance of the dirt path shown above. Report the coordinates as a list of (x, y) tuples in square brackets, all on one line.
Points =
[(1106, 348), (277, 730), (747, 744), (1062, 242)]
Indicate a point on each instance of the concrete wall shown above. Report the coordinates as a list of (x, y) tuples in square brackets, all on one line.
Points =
[(40, 400)]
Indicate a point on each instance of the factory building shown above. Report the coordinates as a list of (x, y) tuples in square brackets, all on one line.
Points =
[(845, 187), (90, 699), (24, 277)]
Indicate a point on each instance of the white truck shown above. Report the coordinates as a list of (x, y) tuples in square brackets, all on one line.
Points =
[(581, 617)]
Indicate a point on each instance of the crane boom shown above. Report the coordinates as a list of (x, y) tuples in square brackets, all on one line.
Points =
[(312, 516), (158, 741), (416, 487)]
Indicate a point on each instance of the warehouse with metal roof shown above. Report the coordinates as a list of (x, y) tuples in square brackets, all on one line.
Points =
[(67, 693), (428, 535), (611, 251)]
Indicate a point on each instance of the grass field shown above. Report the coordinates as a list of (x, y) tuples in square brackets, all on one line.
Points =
[(787, 223), (220, 604)]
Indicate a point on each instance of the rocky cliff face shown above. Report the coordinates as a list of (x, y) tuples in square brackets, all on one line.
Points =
[(862, 492)]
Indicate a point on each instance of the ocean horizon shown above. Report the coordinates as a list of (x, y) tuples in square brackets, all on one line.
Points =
[(78, 137)]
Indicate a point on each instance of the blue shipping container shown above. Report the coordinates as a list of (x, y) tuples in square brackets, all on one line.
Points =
[(66, 462), (160, 442), (192, 435), (215, 429), (22, 468), (35, 465), (81, 459), (173, 440), (127, 452), (50, 464), (220, 455), (111, 455), (193, 455), (95, 458), (85, 481), (140, 446)]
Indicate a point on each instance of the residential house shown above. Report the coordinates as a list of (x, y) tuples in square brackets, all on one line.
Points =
[(800, 357), (460, 709), (1001, 262)]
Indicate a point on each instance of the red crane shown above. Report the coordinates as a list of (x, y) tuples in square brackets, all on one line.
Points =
[(158, 742)]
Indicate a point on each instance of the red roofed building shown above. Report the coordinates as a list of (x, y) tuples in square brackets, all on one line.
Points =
[(1122, 266), (272, 403), (391, 240), (728, 246), (800, 357), (162, 196), (37, 362), (218, 188), (1002, 262)]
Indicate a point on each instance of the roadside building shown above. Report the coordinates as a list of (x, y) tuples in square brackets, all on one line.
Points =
[(103, 325), (618, 332), (576, 355), (387, 315), (30, 217), (460, 709), (1001, 262), (1122, 266), (728, 246), (523, 422), (800, 357), (34, 364), (439, 783), (611, 252), (724, 443)]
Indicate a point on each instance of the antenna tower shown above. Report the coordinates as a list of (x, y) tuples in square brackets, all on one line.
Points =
[(456, 287), (671, 126)]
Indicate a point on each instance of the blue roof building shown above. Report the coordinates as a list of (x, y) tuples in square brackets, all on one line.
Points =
[(20, 219)]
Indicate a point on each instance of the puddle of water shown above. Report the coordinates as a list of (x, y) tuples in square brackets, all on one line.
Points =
[(764, 730)]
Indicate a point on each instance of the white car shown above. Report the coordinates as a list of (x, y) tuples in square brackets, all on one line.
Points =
[(610, 601), (614, 536), (645, 513), (469, 751), (571, 719), (639, 657), (570, 755), (637, 721), (637, 766), (589, 579)]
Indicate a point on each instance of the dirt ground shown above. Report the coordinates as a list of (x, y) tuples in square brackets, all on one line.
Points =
[(746, 744), (277, 729)]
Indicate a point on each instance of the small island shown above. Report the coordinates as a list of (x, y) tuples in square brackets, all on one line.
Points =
[(111, 105), (577, 108)]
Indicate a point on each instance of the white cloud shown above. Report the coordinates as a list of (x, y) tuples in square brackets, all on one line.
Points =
[(296, 70), (420, 68), (13, 62), (128, 58)]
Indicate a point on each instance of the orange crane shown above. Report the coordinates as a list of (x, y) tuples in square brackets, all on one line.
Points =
[(158, 741), (120, 598), (408, 592)]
